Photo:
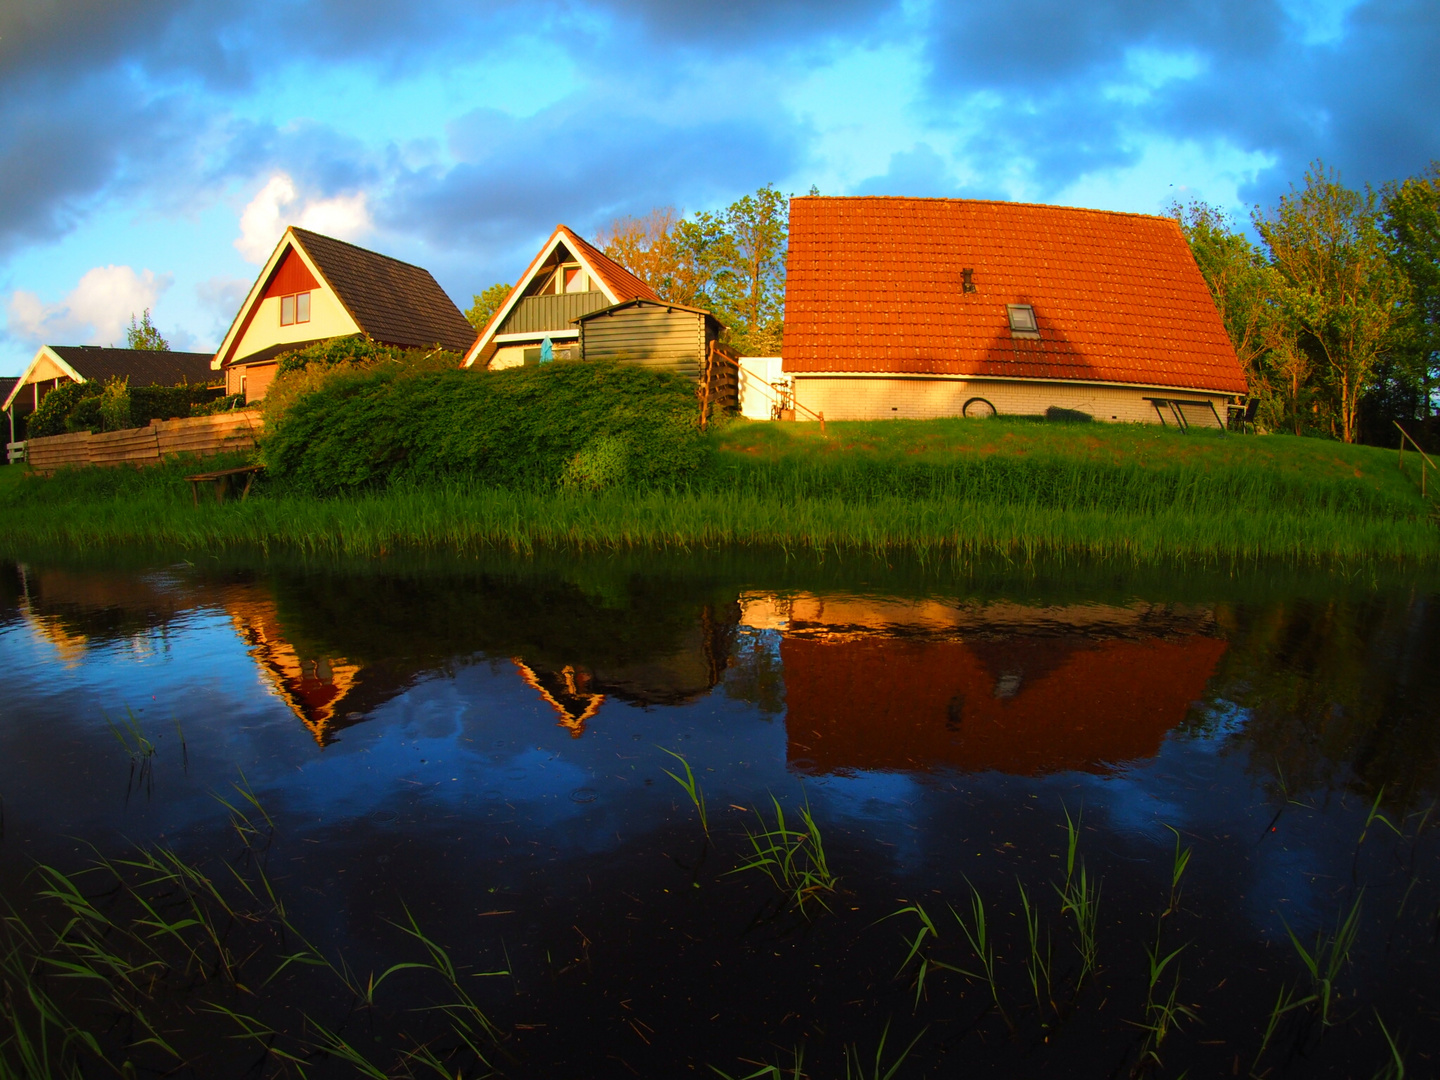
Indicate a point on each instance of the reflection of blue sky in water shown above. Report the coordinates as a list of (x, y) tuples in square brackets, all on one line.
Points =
[(476, 742)]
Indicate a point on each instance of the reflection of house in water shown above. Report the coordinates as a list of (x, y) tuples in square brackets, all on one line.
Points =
[(75, 610), (313, 687), (689, 670), (567, 691), (890, 685)]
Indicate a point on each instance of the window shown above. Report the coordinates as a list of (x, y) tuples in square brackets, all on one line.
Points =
[(295, 309), (1022, 321)]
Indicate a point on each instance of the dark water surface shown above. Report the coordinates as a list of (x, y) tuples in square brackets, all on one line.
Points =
[(477, 745)]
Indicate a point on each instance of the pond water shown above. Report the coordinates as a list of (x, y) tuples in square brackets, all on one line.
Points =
[(474, 754)]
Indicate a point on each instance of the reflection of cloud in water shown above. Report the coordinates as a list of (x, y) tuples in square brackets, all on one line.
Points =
[(886, 803)]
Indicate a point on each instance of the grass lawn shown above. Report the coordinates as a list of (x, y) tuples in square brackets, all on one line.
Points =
[(1001, 487)]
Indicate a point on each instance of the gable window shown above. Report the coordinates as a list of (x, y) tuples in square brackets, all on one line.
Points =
[(295, 309), (1022, 321)]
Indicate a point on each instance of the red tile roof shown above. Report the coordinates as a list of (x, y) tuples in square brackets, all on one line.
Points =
[(875, 285), (624, 284)]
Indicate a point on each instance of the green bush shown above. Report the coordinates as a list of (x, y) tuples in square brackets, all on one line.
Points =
[(55, 408), (344, 350), (604, 462), (115, 406), (167, 402), (85, 416), (587, 424), (228, 403), (80, 406)]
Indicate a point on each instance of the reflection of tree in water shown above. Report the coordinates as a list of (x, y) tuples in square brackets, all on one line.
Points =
[(757, 675), (1339, 694)]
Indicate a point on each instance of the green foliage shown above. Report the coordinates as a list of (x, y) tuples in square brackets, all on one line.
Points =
[(55, 407), (111, 406), (143, 335), (522, 428), (167, 402), (1412, 230), (85, 416), (485, 304), (750, 289), (228, 403), (354, 349), (731, 262), (603, 462), (1336, 289), (115, 405)]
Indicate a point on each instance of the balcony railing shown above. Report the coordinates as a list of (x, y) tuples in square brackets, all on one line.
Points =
[(537, 314)]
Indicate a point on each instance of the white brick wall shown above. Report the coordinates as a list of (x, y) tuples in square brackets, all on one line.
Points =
[(861, 398)]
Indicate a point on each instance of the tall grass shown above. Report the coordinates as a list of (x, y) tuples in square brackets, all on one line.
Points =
[(1141, 497), (466, 519)]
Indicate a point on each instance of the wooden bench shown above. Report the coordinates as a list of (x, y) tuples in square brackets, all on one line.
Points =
[(1176, 407), (224, 481)]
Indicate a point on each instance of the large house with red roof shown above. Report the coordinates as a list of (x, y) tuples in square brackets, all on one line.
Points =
[(898, 307)]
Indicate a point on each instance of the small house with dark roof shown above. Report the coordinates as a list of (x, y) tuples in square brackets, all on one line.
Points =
[(912, 308), (314, 288), (567, 279), (56, 365)]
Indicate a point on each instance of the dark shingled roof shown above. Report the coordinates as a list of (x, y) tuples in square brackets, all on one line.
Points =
[(143, 367), (394, 302)]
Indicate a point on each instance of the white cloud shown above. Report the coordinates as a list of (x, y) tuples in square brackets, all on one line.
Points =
[(279, 204), (98, 309), (1168, 170)]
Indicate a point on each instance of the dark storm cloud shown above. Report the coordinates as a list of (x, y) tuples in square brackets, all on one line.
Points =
[(582, 163), (1368, 102), (91, 134), (95, 95)]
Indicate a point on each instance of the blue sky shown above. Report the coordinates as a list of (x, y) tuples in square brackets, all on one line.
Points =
[(151, 152)]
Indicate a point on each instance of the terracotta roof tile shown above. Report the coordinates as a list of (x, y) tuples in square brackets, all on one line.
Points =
[(875, 284), (624, 284)]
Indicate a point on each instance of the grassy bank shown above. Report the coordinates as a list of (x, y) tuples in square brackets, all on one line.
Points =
[(1016, 489)]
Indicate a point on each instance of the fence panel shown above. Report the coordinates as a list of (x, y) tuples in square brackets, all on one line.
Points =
[(201, 435)]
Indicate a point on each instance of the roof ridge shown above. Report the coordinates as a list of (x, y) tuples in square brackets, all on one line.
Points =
[(984, 202), (366, 251), (591, 251)]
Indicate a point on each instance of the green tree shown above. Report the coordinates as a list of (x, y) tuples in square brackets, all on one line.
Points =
[(675, 255), (1336, 283), (1412, 229), (1241, 283), (751, 288), (143, 335), (486, 304), (730, 262)]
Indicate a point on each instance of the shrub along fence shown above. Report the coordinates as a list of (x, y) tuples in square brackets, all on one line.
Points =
[(200, 435)]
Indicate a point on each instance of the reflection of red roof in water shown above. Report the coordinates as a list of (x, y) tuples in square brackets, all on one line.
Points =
[(1025, 706)]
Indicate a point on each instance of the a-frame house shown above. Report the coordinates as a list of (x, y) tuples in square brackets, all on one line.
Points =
[(568, 278), (315, 287)]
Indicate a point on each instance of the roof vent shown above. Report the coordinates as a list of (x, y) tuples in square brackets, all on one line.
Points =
[(1022, 321), (968, 276)]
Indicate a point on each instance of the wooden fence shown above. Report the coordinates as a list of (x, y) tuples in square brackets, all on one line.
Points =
[(199, 435)]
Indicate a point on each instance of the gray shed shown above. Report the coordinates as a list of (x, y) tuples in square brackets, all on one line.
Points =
[(652, 334)]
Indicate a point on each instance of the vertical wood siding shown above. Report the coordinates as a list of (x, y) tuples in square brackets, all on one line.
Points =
[(537, 314)]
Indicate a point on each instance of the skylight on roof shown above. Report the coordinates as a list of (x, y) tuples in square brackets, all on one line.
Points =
[(1022, 320)]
